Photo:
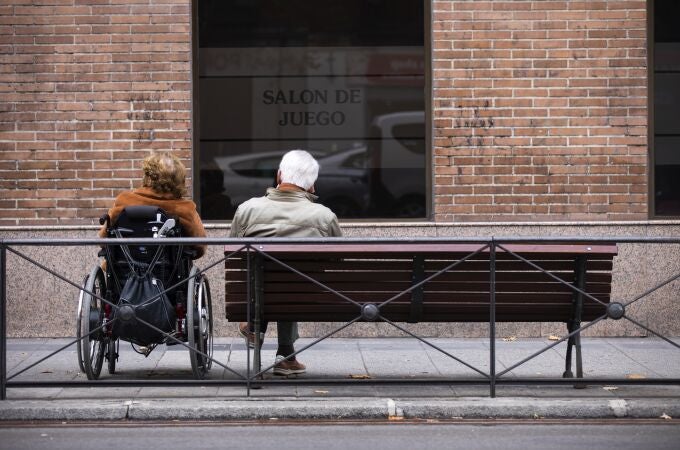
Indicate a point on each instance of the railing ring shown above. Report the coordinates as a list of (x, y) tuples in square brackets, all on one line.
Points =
[(370, 312), (616, 310)]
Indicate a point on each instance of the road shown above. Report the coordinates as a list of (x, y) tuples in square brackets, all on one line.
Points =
[(521, 435)]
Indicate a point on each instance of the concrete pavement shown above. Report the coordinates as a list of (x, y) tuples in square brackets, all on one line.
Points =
[(344, 359)]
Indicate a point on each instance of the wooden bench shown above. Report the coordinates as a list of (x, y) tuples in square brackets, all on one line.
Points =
[(372, 273)]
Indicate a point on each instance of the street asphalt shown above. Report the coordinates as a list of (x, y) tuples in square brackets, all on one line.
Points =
[(371, 364)]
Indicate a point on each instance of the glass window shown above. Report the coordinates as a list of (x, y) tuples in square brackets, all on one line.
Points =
[(341, 79), (666, 125)]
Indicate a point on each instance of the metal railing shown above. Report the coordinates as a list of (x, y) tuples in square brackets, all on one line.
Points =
[(615, 310)]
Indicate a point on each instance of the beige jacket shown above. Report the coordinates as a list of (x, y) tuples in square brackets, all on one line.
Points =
[(284, 214)]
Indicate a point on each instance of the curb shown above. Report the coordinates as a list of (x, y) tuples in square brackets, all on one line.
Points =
[(188, 409)]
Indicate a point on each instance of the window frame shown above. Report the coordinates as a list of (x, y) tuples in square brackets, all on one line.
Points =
[(427, 100), (651, 184), (651, 93)]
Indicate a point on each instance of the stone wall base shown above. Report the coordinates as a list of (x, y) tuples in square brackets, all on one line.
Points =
[(42, 305)]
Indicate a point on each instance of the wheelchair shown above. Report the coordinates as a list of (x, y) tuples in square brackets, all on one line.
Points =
[(187, 315)]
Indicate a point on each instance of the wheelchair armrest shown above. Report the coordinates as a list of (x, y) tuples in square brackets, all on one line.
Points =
[(123, 231)]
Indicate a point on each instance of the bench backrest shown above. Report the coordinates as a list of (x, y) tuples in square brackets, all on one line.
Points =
[(378, 272)]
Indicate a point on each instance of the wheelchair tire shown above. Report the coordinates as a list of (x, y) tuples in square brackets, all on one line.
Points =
[(112, 355), (79, 344), (90, 317), (199, 324)]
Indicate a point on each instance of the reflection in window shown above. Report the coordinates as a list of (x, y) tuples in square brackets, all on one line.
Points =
[(343, 80), (666, 108)]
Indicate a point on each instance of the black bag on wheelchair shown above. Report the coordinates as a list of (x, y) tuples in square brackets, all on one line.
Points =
[(141, 269), (146, 297)]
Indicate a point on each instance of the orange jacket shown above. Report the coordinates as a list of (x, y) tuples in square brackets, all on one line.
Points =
[(184, 209)]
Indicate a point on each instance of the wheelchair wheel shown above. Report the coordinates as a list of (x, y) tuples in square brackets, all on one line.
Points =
[(90, 317), (112, 355), (199, 324), (79, 345)]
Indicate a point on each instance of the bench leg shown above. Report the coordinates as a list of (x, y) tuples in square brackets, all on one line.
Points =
[(574, 342), (579, 361), (567, 364), (258, 294), (257, 359), (575, 323)]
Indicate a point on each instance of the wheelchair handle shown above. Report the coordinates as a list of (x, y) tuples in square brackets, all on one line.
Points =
[(105, 219), (167, 226)]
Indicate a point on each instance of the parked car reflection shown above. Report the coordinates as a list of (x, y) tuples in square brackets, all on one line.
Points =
[(381, 177), (397, 162), (342, 183)]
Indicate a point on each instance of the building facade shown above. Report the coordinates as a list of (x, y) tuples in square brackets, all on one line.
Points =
[(461, 118)]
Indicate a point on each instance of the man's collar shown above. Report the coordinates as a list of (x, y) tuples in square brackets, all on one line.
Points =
[(284, 193)]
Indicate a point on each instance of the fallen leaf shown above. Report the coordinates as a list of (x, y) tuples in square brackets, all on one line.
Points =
[(552, 337), (665, 416), (635, 376), (360, 376), (47, 371), (395, 418), (610, 388), (510, 338)]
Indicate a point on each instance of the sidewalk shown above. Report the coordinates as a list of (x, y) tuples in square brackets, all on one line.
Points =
[(367, 358)]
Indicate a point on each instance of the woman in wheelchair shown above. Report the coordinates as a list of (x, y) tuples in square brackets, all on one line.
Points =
[(163, 185), (133, 278)]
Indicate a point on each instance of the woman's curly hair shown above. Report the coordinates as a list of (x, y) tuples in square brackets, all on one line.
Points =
[(164, 173)]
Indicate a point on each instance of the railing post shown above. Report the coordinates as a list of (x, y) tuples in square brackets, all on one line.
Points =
[(3, 322), (418, 275), (492, 318), (257, 320), (248, 313)]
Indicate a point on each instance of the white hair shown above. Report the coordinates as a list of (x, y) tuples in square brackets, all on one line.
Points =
[(300, 168)]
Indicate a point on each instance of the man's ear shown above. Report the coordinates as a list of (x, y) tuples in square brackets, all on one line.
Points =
[(311, 189), (278, 177)]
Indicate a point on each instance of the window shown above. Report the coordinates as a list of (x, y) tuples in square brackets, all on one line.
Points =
[(665, 137), (341, 79)]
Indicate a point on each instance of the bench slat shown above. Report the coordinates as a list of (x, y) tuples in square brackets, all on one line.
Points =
[(364, 249), (396, 287), (430, 265), (450, 257), (462, 313), (441, 297), (456, 276)]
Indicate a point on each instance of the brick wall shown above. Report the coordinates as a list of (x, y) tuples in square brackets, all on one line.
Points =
[(88, 87), (540, 110), (539, 106)]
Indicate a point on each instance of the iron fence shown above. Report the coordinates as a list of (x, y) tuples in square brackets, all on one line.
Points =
[(614, 310)]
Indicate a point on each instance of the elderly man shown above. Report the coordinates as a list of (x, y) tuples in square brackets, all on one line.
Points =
[(286, 211)]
